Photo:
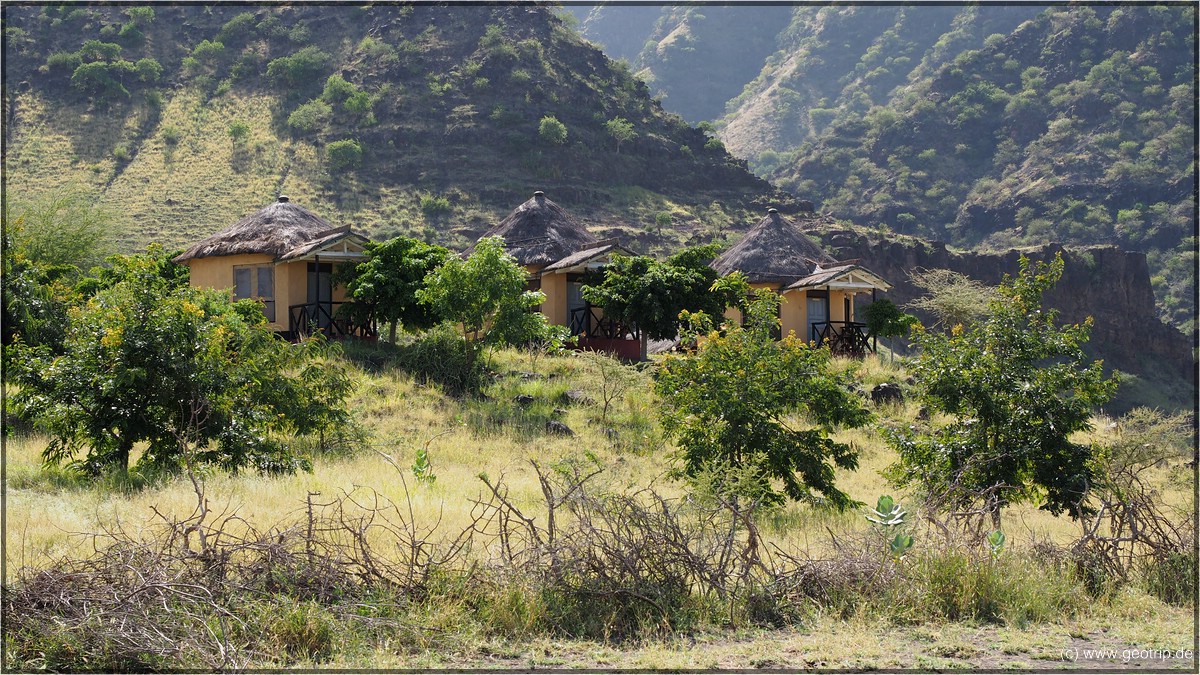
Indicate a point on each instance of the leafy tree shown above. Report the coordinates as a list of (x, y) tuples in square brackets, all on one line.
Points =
[(487, 295), (99, 79), (621, 130), (1016, 387), (239, 131), (385, 285), (885, 320), (652, 293), (197, 378), (552, 131), (736, 405)]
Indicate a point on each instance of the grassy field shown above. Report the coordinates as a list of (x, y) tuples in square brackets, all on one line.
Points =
[(51, 517)]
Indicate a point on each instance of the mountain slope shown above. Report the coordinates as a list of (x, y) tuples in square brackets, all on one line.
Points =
[(438, 120), (983, 126)]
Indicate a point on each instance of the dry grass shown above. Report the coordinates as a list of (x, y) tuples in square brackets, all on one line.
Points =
[(46, 514), (49, 517)]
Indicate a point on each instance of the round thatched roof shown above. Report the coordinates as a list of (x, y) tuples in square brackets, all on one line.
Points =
[(774, 250), (540, 232), (274, 230)]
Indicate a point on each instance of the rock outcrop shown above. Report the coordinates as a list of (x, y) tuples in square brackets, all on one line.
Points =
[(1110, 285)]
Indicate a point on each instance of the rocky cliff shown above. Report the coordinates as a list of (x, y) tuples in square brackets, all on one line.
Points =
[(1104, 282)]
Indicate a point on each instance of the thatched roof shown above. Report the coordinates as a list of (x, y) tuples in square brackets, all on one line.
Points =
[(773, 251), (277, 230), (540, 232)]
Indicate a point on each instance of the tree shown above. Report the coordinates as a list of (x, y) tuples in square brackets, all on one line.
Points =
[(621, 130), (487, 295), (952, 298), (651, 294), (197, 378), (885, 320), (1017, 387), (384, 286), (552, 131), (67, 226), (736, 402)]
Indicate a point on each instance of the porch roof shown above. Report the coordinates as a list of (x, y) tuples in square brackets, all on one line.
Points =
[(338, 242), (589, 258), (848, 277)]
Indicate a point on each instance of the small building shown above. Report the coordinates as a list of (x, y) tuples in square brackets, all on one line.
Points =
[(817, 292), (557, 252), (283, 256)]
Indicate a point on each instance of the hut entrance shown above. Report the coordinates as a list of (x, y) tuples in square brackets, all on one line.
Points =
[(320, 295), (818, 311)]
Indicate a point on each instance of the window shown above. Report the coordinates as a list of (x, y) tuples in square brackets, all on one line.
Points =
[(258, 282)]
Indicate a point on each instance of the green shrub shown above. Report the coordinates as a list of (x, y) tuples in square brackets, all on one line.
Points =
[(434, 205), (171, 135), (63, 62), (237, 29), (337, 89), (552, 131), (1171, 577), (310, 117), (441, 356), (148, 70), (239, 131), (208, 51), (343, 154), (359, 103), (298, 69)]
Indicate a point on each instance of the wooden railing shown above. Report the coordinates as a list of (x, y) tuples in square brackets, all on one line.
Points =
[(587, 322), (844, 338), (322, 317)]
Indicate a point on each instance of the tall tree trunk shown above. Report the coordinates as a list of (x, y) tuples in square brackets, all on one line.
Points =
[(392, 331)]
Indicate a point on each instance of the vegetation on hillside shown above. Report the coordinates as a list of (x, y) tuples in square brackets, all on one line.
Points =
[(364, 113)]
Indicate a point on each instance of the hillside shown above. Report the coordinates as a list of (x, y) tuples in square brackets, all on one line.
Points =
[(982, 126), (185, 118)]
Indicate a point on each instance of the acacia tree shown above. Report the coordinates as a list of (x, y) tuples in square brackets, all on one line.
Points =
[(1016, 387), (385, 285), (651, 293), (742, 403), (194, 376)]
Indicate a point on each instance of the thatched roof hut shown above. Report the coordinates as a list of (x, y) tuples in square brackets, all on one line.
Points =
[(773, 251), (539, 232), (282, 230)]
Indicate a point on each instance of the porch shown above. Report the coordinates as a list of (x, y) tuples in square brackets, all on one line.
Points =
[(844, 338), (592, 330), (305, 320)]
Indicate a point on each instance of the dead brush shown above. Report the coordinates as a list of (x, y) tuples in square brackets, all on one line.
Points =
[(623, 564)]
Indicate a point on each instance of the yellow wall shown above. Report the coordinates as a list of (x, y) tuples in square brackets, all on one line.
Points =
[(555, 306), (793, 314), (291, 280), (217, 272)]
